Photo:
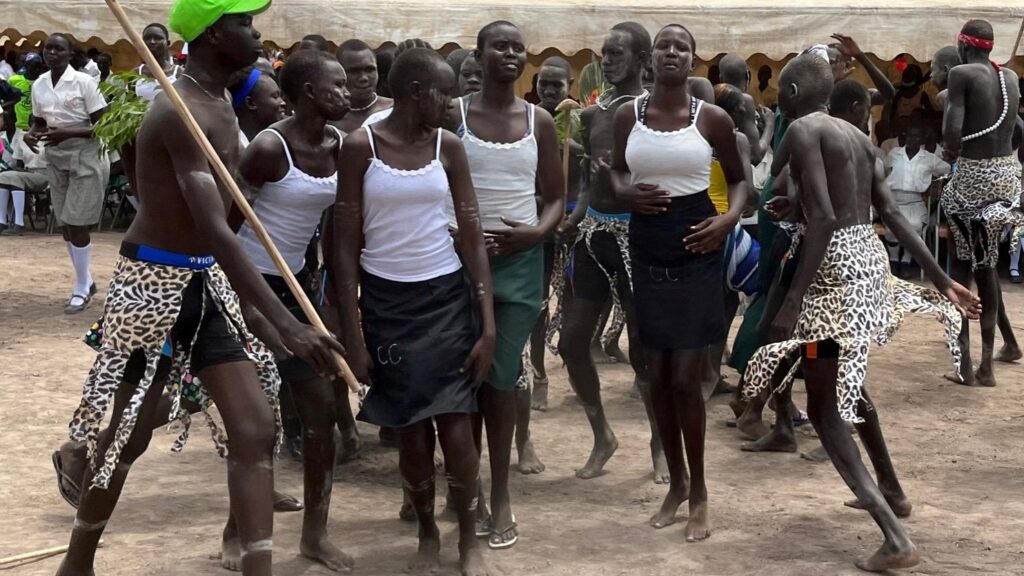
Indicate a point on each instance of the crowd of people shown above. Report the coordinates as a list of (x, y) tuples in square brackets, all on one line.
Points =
[(449, 232)]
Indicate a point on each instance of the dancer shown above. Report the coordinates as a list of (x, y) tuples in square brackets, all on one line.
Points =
[(774, 279), (554, 81), (471, 76), (360, 65), (415, 305), (734, 71), (158, 40), (292, 169), (661, 164), (983, 196), (66, 104), (512, 149), (601, 265), (164, 269), (843, 296)]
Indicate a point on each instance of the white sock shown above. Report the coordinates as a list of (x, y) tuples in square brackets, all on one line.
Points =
[(4, 195), (80, 259), (19, 206)]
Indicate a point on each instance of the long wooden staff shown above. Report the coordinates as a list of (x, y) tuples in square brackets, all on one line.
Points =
[(567, 106), (228, 180), (18, 560)]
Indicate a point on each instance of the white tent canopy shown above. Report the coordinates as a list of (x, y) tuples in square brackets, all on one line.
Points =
[(775, 28)]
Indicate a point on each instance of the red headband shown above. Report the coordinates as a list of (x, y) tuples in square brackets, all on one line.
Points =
[(976, 42)]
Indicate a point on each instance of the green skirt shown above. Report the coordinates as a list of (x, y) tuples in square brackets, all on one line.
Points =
[(518, 285)]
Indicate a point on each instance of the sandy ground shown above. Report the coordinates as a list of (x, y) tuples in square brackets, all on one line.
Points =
[(957, 451)]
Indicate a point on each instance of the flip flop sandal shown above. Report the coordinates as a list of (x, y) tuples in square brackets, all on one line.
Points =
[(286, 503), (483, 528), (505, 539), (67, 487)]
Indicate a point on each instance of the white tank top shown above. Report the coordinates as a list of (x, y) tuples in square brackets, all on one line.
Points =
[(504, 175), (290, 210), (405, 227), (678, 162), (148, 88)]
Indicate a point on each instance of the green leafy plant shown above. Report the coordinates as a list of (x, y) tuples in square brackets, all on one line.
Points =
[(125, 111)]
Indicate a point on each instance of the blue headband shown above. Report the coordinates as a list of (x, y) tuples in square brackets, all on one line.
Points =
[(238, 98)]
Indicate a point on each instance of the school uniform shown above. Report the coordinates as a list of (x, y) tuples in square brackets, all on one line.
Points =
[(78, 169)]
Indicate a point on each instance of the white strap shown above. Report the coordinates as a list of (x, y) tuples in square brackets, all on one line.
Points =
[(287, 154), (465, 120), (531, 115), (437, 153), (369, 134), (700, 104)]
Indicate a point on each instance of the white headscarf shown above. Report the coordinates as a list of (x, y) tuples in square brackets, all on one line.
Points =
[(819, 50)]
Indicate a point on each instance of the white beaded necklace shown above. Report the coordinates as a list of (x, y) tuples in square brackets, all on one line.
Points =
[(376, 97), (1006, 109)]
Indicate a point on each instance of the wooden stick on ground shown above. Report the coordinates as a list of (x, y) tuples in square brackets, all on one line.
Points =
[(36, 555), (228, 179)]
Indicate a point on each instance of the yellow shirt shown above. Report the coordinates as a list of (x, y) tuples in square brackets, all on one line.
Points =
[(718, 188)]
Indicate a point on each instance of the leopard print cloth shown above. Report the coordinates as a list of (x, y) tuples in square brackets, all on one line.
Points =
[(980, 201), (853, 300), (143, 303), (587, 228)]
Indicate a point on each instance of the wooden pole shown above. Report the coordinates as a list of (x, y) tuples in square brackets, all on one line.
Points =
[(228, 180), (36, 555), (567, 106)]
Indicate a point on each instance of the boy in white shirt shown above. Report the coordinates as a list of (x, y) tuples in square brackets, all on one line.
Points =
[(910, 171)]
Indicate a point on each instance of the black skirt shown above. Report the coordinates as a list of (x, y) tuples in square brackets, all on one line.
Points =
[(678, 293), (419, 335)]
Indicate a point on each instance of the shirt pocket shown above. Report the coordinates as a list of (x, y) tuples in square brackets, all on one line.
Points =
[(75, 103)]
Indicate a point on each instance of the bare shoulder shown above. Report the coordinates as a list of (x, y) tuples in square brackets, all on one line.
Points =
[(265, 146), (355, 139), (701, 88), (542, 116), (450, 142)]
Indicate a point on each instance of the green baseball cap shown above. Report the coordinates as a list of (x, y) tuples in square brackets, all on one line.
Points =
[(191, 17)]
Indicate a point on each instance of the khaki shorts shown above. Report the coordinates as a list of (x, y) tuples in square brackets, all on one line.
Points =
[(32, 181), (78, 172)]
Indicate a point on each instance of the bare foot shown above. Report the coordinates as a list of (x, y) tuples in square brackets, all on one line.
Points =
[(901, 506), (738, 406), (773, 441), (231, 553), (471, 563), (986, 378), (661, 474), (956, 378), (599, 355), (667, 515), (350, 448), (616, 354), (323, 551), (599, 456), (697, 526), (528, 461), (752, 425), (1009, 353), (888, 557), (818, 455), (539, 400), (634, 392), (428, 557)]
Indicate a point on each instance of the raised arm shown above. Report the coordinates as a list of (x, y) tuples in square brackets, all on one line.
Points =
[(347, 245), (849, 48), (471, 247)]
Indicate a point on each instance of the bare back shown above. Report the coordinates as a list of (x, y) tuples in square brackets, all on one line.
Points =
[(165, 220), (834, 152), (975, 91)]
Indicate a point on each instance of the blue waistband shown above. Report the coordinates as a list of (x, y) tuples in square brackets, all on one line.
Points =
[(621, 217), (153, 255), (570, 205)]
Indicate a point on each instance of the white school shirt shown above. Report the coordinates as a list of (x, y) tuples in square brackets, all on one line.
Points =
[(913, 174), (21, 151), (5, 70), (70, 103), (93, 70)]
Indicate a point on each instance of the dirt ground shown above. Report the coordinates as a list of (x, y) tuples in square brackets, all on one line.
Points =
[(957, 450)]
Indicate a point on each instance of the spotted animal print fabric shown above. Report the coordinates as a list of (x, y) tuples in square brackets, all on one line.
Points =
[(854, 300)]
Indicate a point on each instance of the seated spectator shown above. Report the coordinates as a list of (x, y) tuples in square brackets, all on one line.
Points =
[(911, 169), (104, 62), (6, 70), (26, 174)]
